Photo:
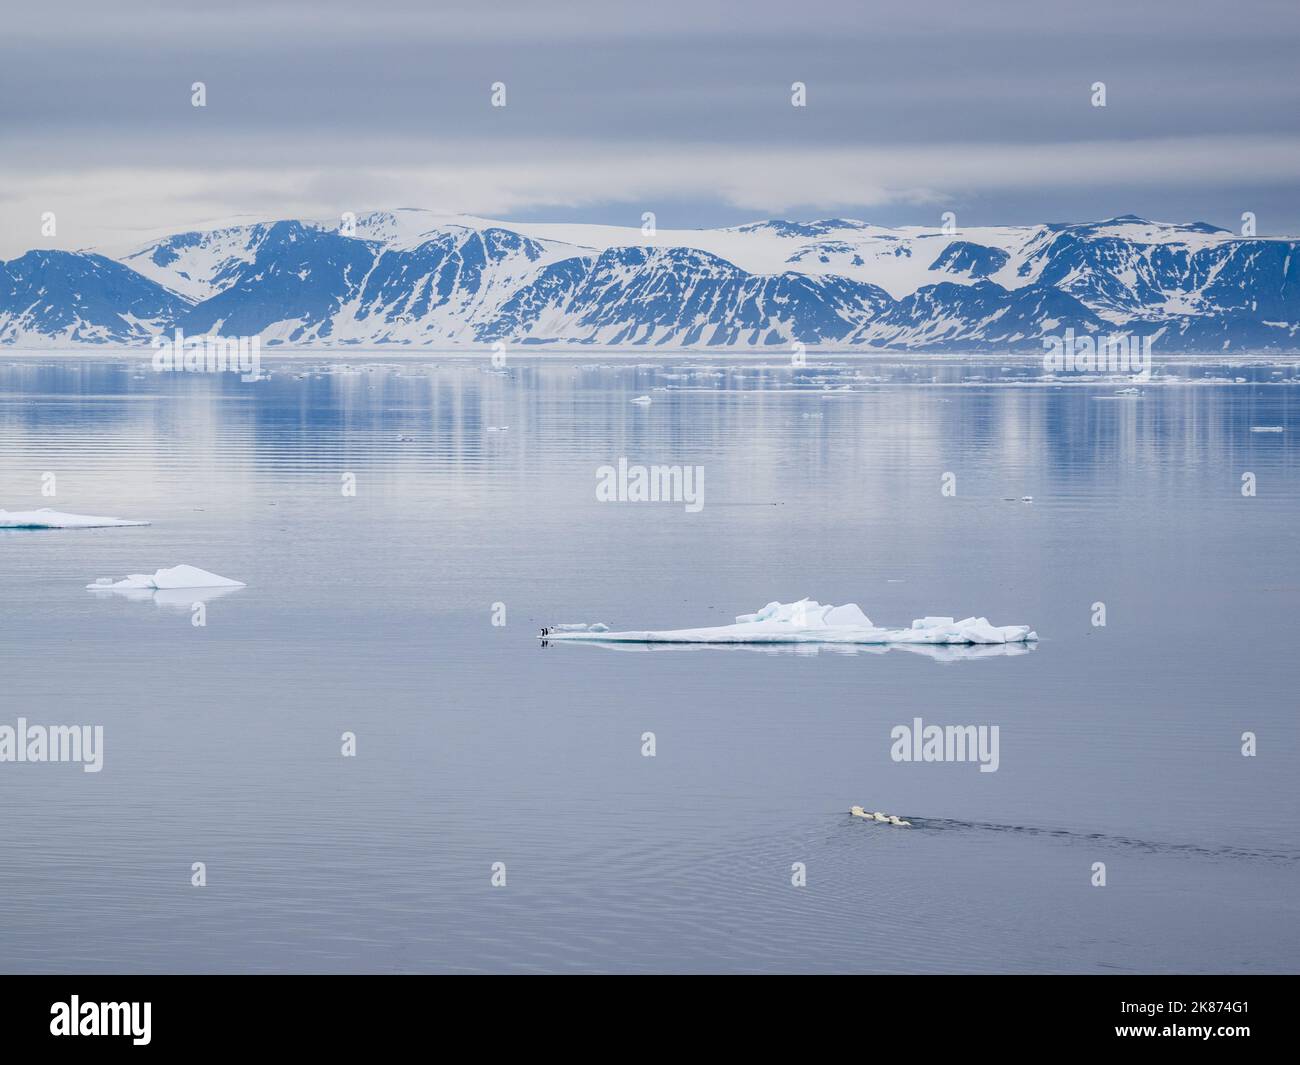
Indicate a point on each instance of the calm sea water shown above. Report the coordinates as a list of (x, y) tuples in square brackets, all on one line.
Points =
[(373, 614)]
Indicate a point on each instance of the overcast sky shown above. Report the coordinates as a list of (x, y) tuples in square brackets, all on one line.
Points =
[(681, 107)]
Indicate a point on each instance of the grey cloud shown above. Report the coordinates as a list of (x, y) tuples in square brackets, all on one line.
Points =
[(356, 97)]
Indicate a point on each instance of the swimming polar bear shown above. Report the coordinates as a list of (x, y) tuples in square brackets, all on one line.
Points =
[(878, 817)]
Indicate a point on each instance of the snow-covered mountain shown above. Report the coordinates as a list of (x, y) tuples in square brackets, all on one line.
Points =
[(413, 277), (81, 298)]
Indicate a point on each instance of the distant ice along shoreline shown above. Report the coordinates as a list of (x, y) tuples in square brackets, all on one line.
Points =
[(141, 355)]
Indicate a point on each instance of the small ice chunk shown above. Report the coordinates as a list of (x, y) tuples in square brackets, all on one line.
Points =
[(45, 518), (642, 401), (173, 577)]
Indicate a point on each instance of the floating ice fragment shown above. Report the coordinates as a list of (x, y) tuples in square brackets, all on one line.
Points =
[(808, 621), (175, 577), (57, 519), (1268, 428), (642, 401)]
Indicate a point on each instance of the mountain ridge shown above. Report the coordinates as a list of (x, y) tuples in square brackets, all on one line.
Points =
[(415, 278)]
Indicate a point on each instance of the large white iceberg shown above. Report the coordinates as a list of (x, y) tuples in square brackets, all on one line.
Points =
[(45, 518), (938, 652), (164, 579), (808, 621)]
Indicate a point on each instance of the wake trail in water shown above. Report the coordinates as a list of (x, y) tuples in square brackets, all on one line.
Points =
[(941, 824)]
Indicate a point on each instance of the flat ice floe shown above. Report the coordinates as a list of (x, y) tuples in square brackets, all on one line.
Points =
[(57, 519), (164, 580), (808, 621)]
